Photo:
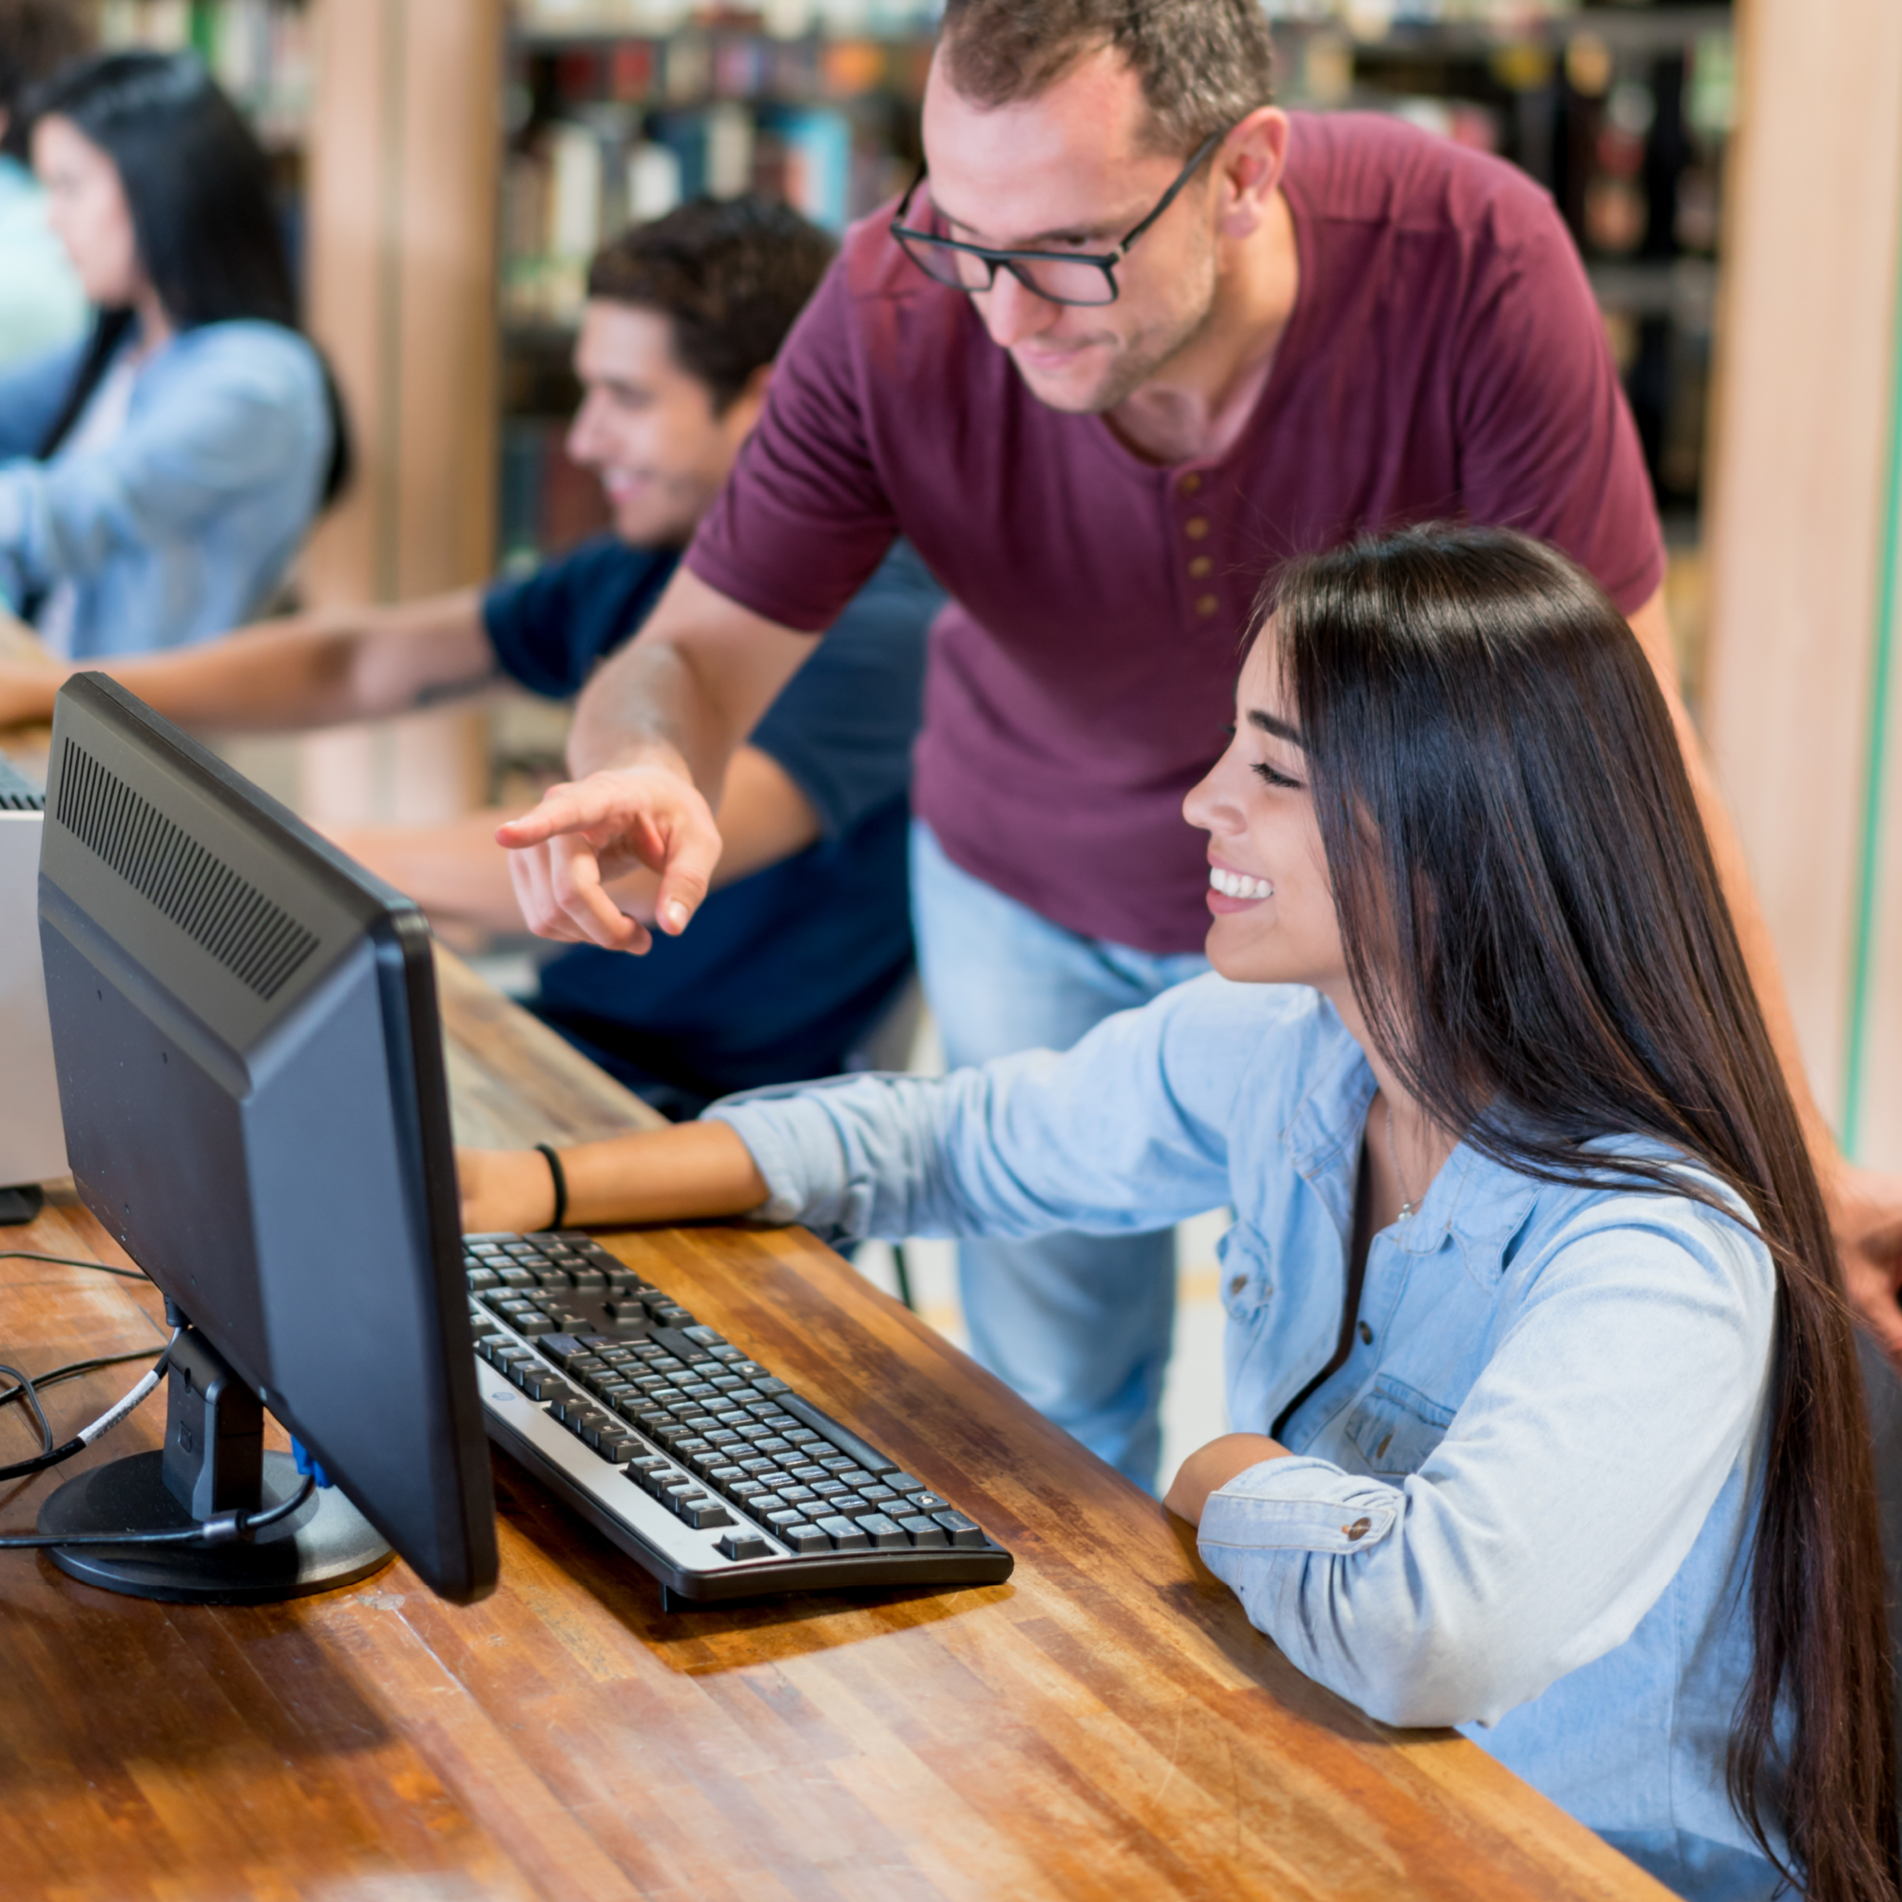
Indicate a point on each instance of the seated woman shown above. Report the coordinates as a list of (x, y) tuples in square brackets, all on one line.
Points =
[(157, 479), (1550, 1415)]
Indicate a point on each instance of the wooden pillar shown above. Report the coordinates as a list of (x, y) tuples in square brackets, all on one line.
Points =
[(404, 158), (1799, 516)]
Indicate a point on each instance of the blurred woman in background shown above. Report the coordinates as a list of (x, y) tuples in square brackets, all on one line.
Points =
[(157, 480)]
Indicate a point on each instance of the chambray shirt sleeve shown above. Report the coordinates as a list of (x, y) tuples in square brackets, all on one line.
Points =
[(192, 444), (30, 397), (1567, 1492), (1124, 1133)]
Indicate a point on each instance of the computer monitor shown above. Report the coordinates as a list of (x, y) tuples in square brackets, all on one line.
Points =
[(251, 1081)]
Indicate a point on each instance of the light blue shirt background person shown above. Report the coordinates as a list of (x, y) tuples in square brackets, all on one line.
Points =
[(41, 304), (157, 480), (1547, 1416)]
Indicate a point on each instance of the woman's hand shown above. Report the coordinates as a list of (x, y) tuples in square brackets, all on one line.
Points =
[(505, 1191), (1209, 1468)]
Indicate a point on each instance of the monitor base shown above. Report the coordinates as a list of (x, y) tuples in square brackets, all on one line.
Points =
[(324, 1544), (20, 1205)]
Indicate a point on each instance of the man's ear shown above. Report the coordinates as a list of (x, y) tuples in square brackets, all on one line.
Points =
[(1249, 167), (744, 411)]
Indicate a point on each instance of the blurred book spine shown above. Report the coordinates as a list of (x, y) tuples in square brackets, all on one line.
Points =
[(257, 50)]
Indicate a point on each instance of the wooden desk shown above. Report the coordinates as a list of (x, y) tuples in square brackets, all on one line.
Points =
[(1106, 1725)]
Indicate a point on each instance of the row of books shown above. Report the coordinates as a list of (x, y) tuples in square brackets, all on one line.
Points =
[(258, 50), (575, 181)]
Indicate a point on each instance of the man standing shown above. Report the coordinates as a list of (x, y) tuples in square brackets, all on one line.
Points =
[(1134, 337)]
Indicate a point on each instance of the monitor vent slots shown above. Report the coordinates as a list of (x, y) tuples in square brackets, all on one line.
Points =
[(259, 942)]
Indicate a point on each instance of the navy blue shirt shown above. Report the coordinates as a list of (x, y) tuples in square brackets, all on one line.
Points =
[(782, 972)]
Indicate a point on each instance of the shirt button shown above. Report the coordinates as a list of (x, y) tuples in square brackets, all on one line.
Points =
[(1189, 483), (1199, 566), (1206, 604), (1236, 1283), (1196, 527), (1358, 1530), (1367, 1334)]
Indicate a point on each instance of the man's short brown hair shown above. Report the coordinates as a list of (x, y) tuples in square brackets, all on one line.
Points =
[(1205, 65), (729, 275)]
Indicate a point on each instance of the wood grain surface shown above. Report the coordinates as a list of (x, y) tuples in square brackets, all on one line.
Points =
[(1106, 1725)]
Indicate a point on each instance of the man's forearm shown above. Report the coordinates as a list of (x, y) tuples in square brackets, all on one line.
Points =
[(650, 705), (688, 690)]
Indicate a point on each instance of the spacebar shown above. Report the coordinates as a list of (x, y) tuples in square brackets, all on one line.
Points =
[(843, 1438)]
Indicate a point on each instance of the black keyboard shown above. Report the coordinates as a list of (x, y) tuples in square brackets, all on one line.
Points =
[(690, 1457)]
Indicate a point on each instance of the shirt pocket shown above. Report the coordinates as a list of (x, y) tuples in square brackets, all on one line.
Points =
[(1246, 1286), (1393, 1430)]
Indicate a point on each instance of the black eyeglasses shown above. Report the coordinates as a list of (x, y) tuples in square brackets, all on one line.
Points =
[(1061, 277)]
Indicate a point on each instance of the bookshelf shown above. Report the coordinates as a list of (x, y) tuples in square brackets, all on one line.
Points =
[(615, 108)]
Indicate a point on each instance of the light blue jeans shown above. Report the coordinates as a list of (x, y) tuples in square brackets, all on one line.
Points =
[(1079, 1325)]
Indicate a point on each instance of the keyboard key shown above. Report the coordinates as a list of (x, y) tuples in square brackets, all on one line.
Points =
[(562, 1348), (846, 1537), (588, 1280), (903, 1482), (779, 1517), (746, 1545), (767, 1383), (796, 1495), (480, 1278), (726, 1477), (532, 1325), (963, 1531), (923, 1531), (879, 1531), (705, 1512), (745, 1489), (928, 1502), (805, 1538), (617, 1447), (539, 1384), (515, 1278)]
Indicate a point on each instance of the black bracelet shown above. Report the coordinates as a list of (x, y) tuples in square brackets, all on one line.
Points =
[(561, 1184)]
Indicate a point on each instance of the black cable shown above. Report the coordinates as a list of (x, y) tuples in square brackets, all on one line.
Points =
[(26, 1387), (51, 1455), (74, 1369), (72, 1261), (225, 1529)]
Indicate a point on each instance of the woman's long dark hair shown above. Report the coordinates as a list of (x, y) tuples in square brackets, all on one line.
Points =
[(1536, 933), (198, 186)]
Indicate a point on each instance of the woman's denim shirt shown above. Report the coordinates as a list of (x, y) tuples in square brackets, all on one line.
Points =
[(1522, 1506), (183, 527)]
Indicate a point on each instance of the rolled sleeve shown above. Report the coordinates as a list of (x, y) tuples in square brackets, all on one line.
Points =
[(1568, 1490), (1294, 1505)]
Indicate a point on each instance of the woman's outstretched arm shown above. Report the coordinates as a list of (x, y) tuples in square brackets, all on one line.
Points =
[(691, 1172)]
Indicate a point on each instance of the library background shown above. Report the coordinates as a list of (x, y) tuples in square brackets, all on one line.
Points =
[(1733, 178)]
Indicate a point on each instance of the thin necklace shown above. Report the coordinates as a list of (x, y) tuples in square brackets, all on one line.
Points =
[(1393, 1155)]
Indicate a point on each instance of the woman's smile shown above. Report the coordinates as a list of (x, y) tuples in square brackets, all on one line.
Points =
[(1231, 891)]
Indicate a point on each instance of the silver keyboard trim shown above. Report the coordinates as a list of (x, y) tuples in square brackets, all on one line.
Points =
[(696, 1548)]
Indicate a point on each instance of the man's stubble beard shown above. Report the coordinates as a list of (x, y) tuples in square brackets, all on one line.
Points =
[(1143, 357)]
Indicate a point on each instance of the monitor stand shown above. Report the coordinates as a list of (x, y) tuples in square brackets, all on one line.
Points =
[(21, 1205), (214, 1462)]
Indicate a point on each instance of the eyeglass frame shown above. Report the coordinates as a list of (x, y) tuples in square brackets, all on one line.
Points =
[(1105, 261)]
